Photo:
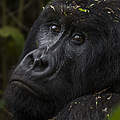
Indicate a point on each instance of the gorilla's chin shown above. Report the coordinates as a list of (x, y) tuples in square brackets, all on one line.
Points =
[(22, 100)]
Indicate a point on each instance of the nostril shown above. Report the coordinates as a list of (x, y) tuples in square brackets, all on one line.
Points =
[(40, 64), (44, 61), (44, 67), (31, 59)]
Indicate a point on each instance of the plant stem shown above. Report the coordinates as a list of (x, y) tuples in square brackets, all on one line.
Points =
[(4, 69), (4, 17), (40, 2), (20, 10), (3, 57)]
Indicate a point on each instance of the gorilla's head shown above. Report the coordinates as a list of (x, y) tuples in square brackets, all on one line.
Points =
[(72, 50)]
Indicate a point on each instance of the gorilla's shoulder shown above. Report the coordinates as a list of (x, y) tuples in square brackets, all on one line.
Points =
[(91, 107)]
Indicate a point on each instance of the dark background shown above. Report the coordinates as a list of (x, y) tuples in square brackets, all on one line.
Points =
[(16, 19)]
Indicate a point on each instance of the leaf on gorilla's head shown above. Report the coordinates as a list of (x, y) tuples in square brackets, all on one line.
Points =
[(83, 10)]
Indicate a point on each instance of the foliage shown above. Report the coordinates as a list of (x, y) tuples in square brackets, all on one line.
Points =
[(115, 114), (13, 39), (2, 104), (1, 92), (16, 18)]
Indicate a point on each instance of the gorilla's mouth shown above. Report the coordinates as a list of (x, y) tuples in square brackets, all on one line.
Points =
[(24, 85)]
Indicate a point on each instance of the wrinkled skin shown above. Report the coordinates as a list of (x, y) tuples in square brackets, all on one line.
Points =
[(72, 51)]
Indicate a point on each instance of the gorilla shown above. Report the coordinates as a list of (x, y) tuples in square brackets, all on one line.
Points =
[(70, 65)]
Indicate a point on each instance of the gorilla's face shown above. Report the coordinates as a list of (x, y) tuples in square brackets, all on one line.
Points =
[(65, 57)]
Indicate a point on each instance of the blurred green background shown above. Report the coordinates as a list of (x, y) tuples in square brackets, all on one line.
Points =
[(16, 19)]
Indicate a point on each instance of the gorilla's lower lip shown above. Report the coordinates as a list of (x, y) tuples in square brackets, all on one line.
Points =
[(24, 85)]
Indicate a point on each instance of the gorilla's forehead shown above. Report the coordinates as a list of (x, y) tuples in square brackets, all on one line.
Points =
[(84, 10)]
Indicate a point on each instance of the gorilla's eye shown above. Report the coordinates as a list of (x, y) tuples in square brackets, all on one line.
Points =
[(55, 28), (78, 38)]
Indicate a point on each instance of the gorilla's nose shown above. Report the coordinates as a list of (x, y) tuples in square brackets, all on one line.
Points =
[(39, 64), (43, 64)]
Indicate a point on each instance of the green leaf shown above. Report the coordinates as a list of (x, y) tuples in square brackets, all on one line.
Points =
[(1, 92), (13, 32), (2, 104), (83, 10), (115, 114), (14, 39)]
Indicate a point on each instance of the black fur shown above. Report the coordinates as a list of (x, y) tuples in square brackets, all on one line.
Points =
[(72, 51), (92, 107)]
